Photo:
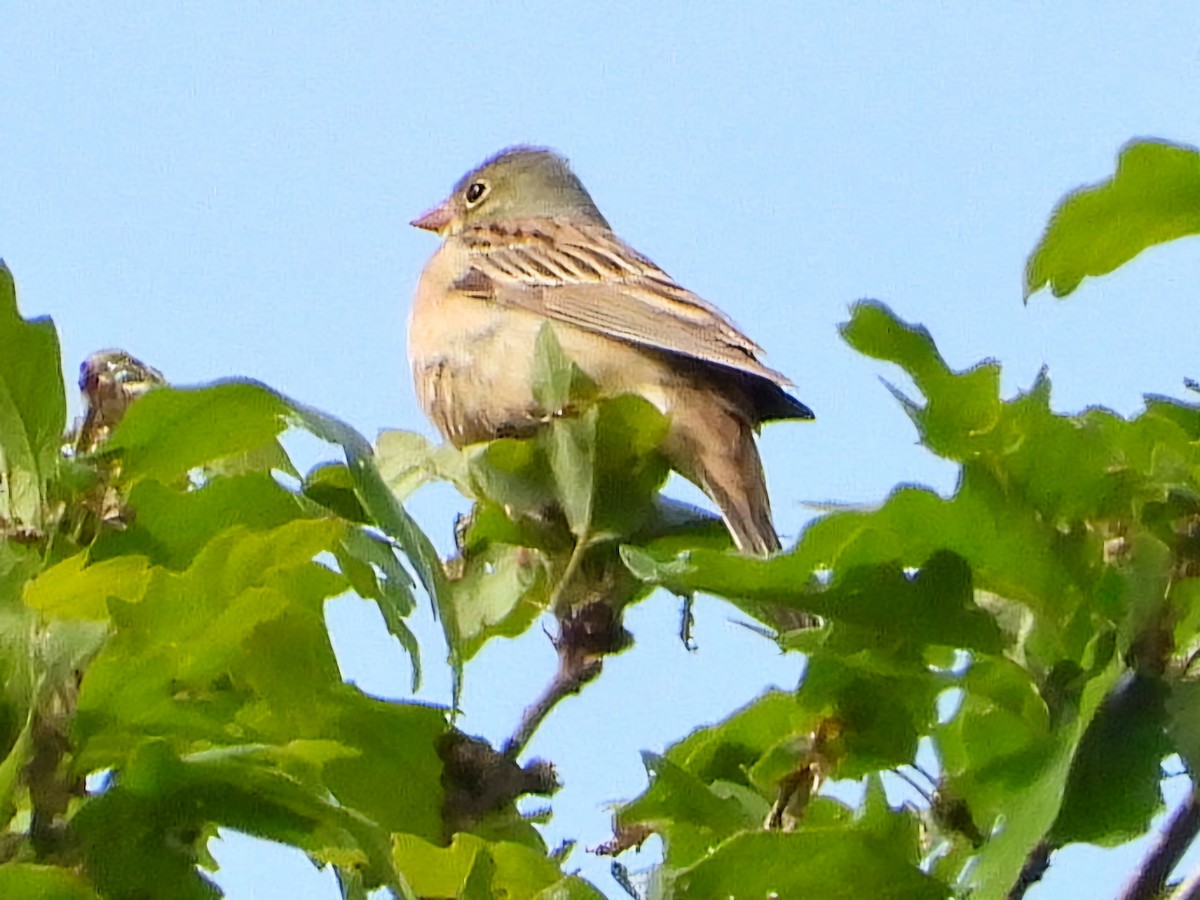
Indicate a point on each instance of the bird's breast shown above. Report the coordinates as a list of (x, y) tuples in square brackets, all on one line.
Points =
[(473, 360)]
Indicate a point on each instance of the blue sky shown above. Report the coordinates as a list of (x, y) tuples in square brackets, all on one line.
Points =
[(224, 189)]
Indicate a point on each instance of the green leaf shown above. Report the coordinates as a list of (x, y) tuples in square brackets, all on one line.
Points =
[(171, 431), (171, 526), (393, 519), (883, 703), (961, 405), (478, 883), (1017, 778), (834, 862), (1154, 197), (936, 605), (514, 474), (408, 460), (1183, 707), (18, 564), (72, 589), (382, 506), (630, 469), (571, 452), (1185, 597), (232, 655), (727, 751), (675, 522), (1068, 542), (33, 409), (39, 663), (396, 745), (386, 512), (166, 670), (599, 466), (475, 869), (332, 486), (27, 881), (897, 829), (375, 573), (1124, 744), (501, 592), (265, 458), (12, 768), (144, 836), (558, 384), (691, 816), (292, 686)]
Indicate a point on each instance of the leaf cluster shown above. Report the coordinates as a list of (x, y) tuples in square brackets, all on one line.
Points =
[(1035, 630), (167, 669)]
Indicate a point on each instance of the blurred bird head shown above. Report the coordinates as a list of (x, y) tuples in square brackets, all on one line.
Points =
[(517, 183)]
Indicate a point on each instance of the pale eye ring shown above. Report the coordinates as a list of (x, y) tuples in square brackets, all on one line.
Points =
[(476, 192)]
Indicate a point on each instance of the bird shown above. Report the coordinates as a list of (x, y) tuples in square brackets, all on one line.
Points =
[(525, 244), (110, 381)]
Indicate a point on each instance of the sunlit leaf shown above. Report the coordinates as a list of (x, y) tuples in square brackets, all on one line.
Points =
[(408, 460), (170, 526), (688, 813), (28, 881), (73, 589), (474, 868), (961, 407), (1153, 197), (833, 862), (171, 431), (32, 408), (1018, 781), (500, 593), (558, 383)]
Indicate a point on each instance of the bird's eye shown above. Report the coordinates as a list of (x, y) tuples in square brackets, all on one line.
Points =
[(476, 192)]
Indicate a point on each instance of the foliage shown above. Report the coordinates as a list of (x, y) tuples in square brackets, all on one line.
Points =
[(1154, 197), (163, 635), (167, 670), (1051, 599), (1050, 592)]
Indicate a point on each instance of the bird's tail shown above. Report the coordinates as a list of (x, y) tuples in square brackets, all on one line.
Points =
[(739, 488), (714, 448)]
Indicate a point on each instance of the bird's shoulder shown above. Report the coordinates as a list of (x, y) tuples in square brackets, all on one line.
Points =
[(583, 272), (558, 250)]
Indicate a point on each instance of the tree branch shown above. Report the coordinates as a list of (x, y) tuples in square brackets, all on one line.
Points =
[(586, 635), (1150, 879), (1190, 888), (1036, 864), (564, 684)]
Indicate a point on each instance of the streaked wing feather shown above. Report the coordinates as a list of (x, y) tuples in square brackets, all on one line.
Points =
[(586, 276)]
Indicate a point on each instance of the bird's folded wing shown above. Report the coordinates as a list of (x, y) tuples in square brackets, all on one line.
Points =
[(585, 276)]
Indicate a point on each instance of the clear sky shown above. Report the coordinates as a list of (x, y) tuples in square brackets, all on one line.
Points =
[(224, 189)]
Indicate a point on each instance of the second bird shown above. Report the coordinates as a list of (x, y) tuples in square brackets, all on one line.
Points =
[(525, 244)]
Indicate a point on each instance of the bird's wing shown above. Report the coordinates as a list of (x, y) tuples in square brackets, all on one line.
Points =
[(585, 276)]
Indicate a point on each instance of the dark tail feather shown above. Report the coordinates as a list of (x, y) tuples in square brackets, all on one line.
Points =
[(731, 472)]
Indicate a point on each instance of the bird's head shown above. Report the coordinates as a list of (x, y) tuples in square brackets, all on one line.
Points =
[(517, 183)]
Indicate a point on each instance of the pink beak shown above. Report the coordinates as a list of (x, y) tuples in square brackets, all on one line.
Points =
[(435, 219)]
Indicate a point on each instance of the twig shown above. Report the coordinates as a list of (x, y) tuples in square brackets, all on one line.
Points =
[(1036, 864), (1150, 879), (586, 634), (571, 675), (564, 684), (920, 789), (587, 602), (1190, 888), (478, 781), (555, 603)]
